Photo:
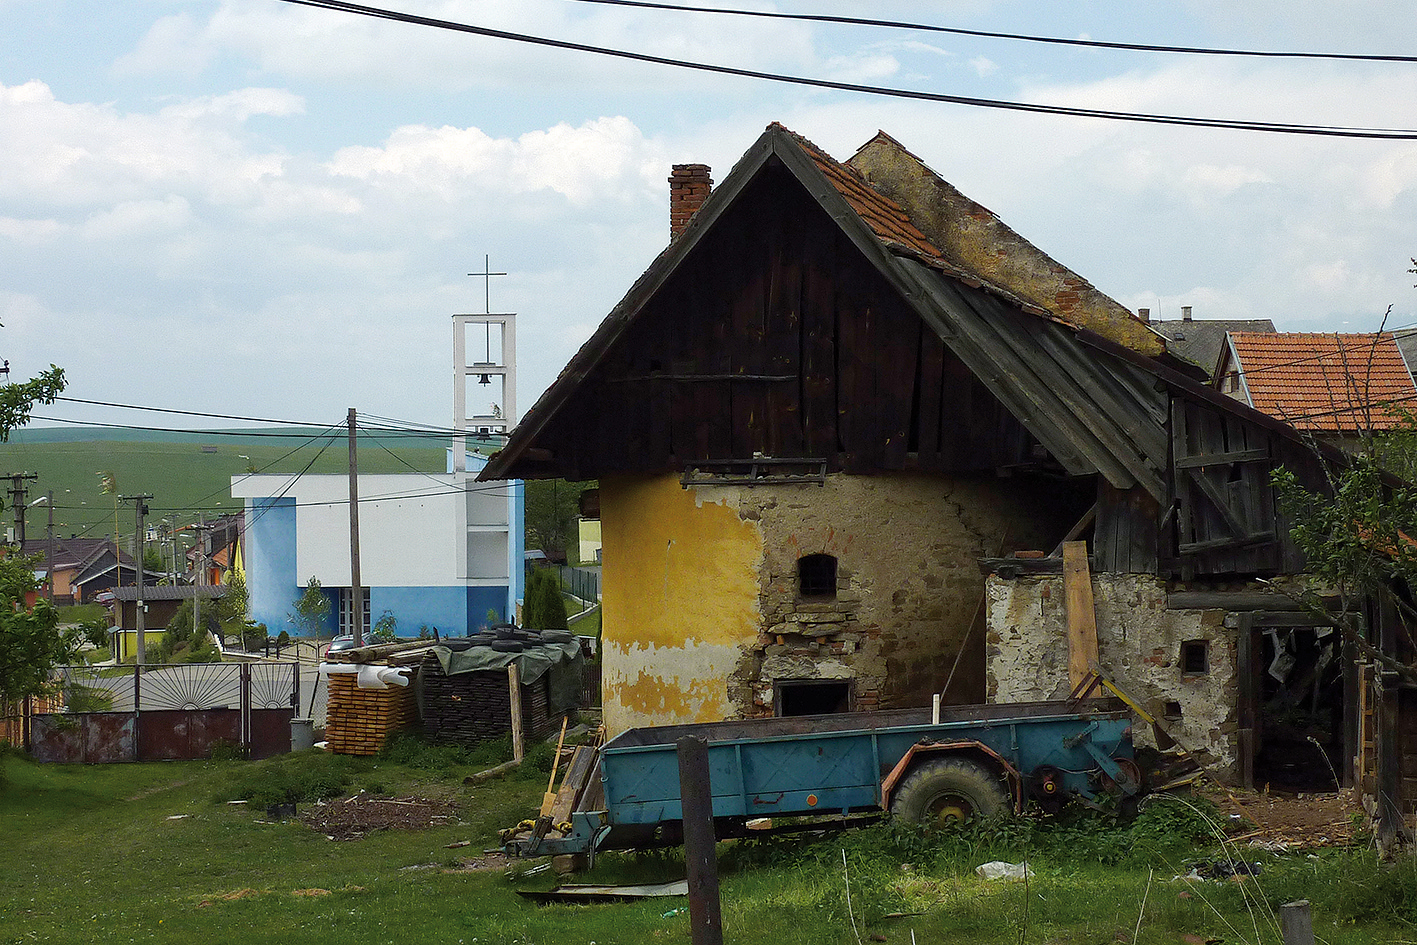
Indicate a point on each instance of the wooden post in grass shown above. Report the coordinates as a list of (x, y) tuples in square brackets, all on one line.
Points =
[(700, 855), (514, 684), (1296, 925)]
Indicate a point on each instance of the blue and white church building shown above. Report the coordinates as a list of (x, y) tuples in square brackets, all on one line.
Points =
[(438, 550)]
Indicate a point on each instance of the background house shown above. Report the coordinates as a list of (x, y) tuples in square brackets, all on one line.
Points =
[(1199, 340), (829, 410), (70, 555), (435, 550), (1334, 385), (160, 603), (104, 570)]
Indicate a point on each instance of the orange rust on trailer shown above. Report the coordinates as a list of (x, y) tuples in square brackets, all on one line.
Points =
[(934, 748)]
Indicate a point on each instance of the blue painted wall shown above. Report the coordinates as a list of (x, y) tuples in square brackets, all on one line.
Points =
[(516, 550), (269, 559), (441, 607)]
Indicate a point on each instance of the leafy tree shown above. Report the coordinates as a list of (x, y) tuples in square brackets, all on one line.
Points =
[(551, 508), (183, 642), (17, 400), (312, 610), (1360, 537), (31, 642), (386, 627)]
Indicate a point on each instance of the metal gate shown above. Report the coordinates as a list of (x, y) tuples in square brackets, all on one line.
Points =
[(182, 711)]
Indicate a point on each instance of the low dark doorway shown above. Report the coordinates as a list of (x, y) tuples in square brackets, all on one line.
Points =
[(813, 697), (1301, 705)]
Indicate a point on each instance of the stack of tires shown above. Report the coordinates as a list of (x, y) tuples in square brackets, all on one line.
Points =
[(509, 638)]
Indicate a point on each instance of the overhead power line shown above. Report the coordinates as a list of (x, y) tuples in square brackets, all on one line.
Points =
[(1332, 131), (990, 34), (185, 413)]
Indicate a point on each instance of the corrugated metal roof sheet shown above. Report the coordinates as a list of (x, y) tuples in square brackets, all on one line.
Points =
[(170, 592), (1326, 382)]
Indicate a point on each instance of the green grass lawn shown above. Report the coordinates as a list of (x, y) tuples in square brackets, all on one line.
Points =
[(152, 853), (184, 478)]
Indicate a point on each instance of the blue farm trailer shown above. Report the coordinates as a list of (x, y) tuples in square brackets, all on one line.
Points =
[(975, 760)]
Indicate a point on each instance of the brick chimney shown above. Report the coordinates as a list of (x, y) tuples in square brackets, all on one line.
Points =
[(689, 187), (1144, 314)]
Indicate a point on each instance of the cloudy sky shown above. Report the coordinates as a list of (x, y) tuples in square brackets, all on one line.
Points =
[(256, 208)]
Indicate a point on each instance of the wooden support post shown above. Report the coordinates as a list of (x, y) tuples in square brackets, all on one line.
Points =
[(700, 854), (1296, 925), (1082, 615), (514, 685)]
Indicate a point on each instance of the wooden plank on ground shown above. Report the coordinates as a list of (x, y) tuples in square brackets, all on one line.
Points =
[(1082, 615)]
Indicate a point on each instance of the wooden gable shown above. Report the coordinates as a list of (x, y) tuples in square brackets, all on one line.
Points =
[(776, 337)]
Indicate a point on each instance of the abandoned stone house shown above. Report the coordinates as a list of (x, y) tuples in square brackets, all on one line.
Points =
[(828, 414)]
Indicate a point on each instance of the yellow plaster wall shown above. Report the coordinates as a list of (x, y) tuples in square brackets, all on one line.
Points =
[(664, 546)]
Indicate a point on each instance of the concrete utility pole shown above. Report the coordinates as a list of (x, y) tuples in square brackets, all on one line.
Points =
[(140, 509), (17, 501), (199, 576), (356, 591), (49, 501)]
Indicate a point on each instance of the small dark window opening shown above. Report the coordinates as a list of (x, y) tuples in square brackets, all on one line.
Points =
[(1195, 657), (816, 576), (813, 697), (1173, 711)]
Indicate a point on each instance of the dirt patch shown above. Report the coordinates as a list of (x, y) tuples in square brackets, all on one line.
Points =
[(353, 817), (1296, 821), (228, 897), (485, 863)]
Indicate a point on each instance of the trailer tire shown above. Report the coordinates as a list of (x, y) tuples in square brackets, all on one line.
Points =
[(943, 791)]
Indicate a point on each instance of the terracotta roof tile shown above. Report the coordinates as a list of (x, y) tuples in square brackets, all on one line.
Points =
[(892, 224), (886, 217), (1326, 382)]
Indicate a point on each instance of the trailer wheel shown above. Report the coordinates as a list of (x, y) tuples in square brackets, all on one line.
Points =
[(949, 791)]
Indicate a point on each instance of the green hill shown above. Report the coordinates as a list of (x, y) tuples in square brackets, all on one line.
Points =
[(188, 474)]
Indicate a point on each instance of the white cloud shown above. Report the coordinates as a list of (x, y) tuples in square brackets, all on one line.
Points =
[(601, 159), (1223, 180), (302, 42), (238, 106), (29, 231), (138, 219), (983, 66)]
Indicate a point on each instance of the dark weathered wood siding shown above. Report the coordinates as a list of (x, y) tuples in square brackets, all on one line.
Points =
[(775, 337)]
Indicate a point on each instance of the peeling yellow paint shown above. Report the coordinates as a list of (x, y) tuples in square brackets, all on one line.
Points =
[(665, 548)]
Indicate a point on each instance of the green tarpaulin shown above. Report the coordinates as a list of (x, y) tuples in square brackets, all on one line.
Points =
[(562, 660)]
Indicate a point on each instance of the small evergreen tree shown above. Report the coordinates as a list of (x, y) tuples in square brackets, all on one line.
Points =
[(531, 603), (545, 608)]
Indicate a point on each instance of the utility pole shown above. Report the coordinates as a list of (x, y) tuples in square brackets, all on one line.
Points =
[(199, 577), (49, 501), (140, 509), (17, 501), (356, 591)]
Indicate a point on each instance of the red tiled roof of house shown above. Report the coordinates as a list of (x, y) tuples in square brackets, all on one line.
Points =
[(1326, 382)]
